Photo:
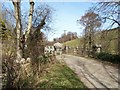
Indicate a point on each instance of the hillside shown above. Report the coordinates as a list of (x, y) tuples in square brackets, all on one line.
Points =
[(107, 38), (73, 43)]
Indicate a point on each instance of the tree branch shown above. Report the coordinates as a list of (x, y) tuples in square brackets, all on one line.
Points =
[(42, 23), (112, 20)]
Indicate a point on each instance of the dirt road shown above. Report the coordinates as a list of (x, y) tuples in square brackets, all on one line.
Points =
[(93, 74)]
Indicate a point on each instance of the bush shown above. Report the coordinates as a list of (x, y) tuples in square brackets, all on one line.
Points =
[(116, 58), (108, 57)]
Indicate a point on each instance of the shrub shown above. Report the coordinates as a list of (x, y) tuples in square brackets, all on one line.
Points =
[(116, 58), (108, 57)]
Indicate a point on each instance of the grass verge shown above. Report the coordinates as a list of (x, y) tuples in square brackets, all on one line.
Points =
[(59, 76)]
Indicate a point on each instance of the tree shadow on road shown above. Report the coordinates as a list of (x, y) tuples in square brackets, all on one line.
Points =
[(88, 75), (110, 74)]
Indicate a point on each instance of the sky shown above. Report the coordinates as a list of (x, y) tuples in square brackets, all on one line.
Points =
[(65, 17)]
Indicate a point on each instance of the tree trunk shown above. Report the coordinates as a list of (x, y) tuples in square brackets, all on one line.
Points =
[(18, 28), (30, 18), (119, 40), (119, 28), (84, 47)]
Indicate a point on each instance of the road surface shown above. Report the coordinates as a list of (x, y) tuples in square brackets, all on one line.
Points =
[(92, 73)]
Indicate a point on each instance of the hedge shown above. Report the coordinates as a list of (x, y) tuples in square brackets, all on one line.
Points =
[(108, 57)]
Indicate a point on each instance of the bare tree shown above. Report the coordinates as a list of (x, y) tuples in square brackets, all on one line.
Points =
[(35, 43), (91, 21), (110, 11), (39, 19), (18, 27)]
